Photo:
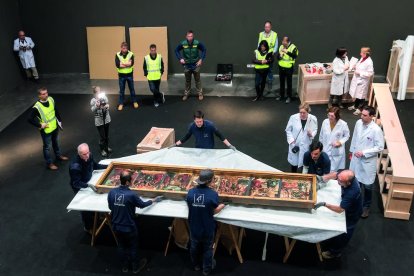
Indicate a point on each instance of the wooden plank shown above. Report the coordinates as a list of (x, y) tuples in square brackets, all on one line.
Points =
[(103, 44), (141, 38), (402, 194)]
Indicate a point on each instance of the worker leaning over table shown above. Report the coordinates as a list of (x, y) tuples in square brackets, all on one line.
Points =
[(80, 171), (203, 131), (203, 204), (351, 204), (122, 203)]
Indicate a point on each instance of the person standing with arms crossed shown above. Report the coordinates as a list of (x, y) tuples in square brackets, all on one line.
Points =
[(288, 52), (124, 62), (192, 60), (271, 37), (153, 69)]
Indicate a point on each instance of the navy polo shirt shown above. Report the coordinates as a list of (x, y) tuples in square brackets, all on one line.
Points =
[(321, 167), (201, 202), (204, 135), (351, 202), (122, 202)]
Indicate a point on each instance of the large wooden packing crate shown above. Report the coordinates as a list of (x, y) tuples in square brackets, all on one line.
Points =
[(235, 186)]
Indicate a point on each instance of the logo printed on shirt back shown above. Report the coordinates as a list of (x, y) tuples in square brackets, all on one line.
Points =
[(119, 200), (198, 200)]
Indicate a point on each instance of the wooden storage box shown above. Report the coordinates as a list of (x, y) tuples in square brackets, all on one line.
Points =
[(314, 88), (157, 138), (393, 72), (250, 187)]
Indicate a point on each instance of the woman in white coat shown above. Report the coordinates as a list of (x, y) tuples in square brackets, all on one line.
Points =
[(24, 46), (300, 131), (340, 80), (364, 70), (334, 134)]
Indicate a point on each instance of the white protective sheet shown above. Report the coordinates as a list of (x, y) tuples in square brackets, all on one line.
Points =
[(404, 62), (301, 225)]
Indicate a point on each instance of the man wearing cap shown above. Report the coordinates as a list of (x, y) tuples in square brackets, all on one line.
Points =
[(203, 204), (203, 131), (122, 203)]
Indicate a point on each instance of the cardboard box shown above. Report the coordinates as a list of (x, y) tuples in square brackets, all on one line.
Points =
[(157, 138)]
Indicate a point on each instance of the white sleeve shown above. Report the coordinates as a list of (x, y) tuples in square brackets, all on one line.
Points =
[(338, 67), (378, 144), (16, 45), (345, 134), (369, 70), (30, 42), (289, 128), (354, 137)]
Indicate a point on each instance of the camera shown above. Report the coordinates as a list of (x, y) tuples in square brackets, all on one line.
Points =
[(102, 100)]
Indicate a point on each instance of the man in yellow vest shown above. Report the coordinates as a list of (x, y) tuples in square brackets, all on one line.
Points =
[(153, 70), (287, 55), (271, 38), (124, 62), (46, 118)]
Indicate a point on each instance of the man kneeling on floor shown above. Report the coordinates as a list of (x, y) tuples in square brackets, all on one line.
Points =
[(351, 203), (122, 202), (202, 206)]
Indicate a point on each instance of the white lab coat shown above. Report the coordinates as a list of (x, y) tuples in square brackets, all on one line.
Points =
[(360, 84), (26, 57), (370, 140), (340, 79), (328, 137), (293, 129)]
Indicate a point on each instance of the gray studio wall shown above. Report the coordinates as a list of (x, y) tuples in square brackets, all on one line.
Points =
[(228, 28), (10, 74)]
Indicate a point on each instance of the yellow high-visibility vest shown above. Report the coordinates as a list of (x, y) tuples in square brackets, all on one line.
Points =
[(271, 40), (153, 67), (47, 115), (125, 70), (260, 57), (287, 61)]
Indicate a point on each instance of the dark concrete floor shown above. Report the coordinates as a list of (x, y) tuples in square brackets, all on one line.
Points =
[(39, 237)]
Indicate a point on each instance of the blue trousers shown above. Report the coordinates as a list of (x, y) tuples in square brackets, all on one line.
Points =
[(366, 203), (201, 251), (127, 247), (154, 86), (122, 80), (50, 140)]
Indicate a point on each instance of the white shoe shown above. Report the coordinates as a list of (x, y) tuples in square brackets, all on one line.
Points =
[(352, 107), (156, 104), (357, 112), (163, 97)]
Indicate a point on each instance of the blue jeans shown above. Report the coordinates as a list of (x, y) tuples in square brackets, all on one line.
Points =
[(127, 247), (270, 73), (260, 81), (50, 139), (201, 251), (122, 81), (367, 194), (154, 86)]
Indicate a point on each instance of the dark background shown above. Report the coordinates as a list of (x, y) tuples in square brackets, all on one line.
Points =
[(228, 28)]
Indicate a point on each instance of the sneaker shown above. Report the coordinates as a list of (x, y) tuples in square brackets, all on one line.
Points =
[(125, 268), (109, 150), (365, 213), (136, 105), (341, 106), (52, 167), (287, 100), (136, 268), (352, 107), (197, 268), (120, 107), (255, 99), (163, 97), (63, 158), (104, 153), (329, 255), (207, 272), (357, 112), (278, 98), (200, 97), (156, 104), (185, 97)]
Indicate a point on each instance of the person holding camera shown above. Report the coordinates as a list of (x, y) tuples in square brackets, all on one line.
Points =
[(24, 45), (100, 108), (300, 131)]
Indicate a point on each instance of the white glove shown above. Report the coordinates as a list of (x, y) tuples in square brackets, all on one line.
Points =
[(92, 187)]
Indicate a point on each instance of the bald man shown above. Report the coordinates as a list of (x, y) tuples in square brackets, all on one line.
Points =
[(351, 204), (24, 45), (80, 171)]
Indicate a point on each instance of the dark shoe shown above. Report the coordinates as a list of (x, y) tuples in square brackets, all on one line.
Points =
[(52, 167), (255, 99), (341, 106), (63, 158), (288, 100), (365, 213), (327, 255), (125, 268), (136, 268), (278, 98), (197, 268), (205, 273)]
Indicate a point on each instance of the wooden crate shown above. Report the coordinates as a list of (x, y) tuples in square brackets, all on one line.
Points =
[(246, 199), (393, 72), (315, 88), (164, 136)]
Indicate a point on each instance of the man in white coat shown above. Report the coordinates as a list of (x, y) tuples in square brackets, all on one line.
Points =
[(367, 142), (340, 79), (364, 70), (334, 134), (300, 131), (24, 46)]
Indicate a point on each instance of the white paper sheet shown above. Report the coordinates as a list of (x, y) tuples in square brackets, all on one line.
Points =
[(301, 225), (353, 62)]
